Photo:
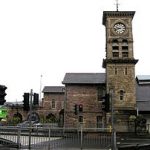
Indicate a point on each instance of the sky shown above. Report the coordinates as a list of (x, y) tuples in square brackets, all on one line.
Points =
[(41, 40)]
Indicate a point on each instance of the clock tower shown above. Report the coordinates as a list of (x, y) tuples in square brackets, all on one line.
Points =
[(120, 64)]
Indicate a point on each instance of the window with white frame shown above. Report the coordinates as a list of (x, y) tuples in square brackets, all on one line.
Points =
[(53, 103)]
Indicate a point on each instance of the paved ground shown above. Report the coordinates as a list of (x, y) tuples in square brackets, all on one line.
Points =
[(6, 148)]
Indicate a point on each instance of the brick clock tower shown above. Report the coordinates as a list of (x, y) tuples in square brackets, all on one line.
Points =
[(120, 65)]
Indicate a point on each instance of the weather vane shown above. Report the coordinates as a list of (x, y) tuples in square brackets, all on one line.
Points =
[(117, 4)]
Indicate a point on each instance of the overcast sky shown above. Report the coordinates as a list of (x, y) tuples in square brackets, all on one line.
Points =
[(53, 37)]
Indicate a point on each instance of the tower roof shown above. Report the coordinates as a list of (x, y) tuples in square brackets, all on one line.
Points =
[(117, 14)]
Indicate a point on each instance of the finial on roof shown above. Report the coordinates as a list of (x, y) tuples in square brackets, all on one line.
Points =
[(117, 4)]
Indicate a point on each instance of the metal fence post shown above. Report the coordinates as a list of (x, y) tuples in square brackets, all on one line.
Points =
[(114, 140), (18, 138), (81, 135), (49, 138)]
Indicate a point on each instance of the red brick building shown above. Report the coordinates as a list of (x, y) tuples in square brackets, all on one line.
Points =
[(53, 102), (85, 90)]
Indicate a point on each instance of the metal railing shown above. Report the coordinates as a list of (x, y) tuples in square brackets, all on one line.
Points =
[(46, 138)]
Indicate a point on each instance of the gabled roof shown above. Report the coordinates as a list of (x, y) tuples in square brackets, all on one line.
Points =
[(53, 89), (84, 78)]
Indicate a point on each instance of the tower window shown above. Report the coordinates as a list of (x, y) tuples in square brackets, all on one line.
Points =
[(124, 44), (116, 54), (121, 94), (124, 47), (124, 54), (115, 45)]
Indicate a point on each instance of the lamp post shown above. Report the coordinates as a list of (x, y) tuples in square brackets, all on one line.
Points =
[(112, 120), (30, 118), (40, 93)]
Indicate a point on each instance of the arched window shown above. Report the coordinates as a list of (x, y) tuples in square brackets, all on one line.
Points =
[(115, 45), (124, 48), (121, 94), (115, 48), (124, 44)]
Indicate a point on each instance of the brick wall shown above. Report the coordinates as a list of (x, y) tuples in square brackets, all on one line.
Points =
[(47, 103), (87, 95)]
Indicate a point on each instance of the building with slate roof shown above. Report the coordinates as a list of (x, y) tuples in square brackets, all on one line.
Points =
[(53, 103), (84, 92), (143, 96)]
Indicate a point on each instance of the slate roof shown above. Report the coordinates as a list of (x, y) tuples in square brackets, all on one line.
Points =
[(53, 89), (143, 79), (143, 92), (84, 78)]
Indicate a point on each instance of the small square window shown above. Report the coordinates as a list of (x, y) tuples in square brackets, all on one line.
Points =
[(80, 119)]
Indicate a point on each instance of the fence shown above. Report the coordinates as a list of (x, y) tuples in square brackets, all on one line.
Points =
[(55, 138)]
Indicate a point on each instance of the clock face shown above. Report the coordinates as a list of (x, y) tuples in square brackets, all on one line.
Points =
[(119, 28)]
